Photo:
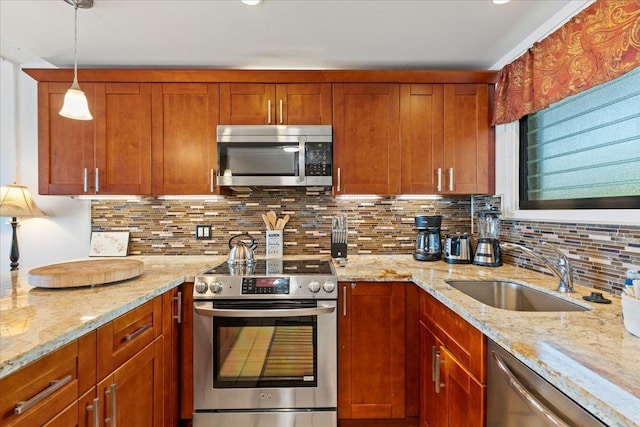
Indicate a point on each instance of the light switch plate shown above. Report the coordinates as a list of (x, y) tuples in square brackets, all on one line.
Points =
[(203, 232)]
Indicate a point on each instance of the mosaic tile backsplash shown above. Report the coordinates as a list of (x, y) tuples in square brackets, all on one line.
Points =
[(600, 254)]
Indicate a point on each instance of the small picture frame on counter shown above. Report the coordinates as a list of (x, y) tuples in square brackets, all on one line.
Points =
[(109, 244)]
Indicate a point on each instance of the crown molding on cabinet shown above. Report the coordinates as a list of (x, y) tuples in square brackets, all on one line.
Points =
[(273, 76)]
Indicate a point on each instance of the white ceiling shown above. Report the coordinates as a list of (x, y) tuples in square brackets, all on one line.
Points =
[(290, 34)]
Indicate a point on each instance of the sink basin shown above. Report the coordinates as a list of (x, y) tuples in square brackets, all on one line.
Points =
[(512, 296)]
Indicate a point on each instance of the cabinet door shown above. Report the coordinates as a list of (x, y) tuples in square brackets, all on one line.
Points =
[(303, 104), (247, 104), (432, 397), (172, 321), (464, 395), (421, 133), (186, 351), (65, 146), (469, 164), (133, 393), (123, 138), (185, 116), (371, 355), (366, 138)]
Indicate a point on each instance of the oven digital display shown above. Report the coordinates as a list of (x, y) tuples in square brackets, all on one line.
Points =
[(265, 285)]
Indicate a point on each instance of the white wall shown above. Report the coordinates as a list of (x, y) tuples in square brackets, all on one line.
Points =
[(65, 233)]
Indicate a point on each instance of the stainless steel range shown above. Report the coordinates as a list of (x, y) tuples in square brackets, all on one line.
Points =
[(265, 351)]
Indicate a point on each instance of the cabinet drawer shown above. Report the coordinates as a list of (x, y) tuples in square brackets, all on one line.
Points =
[(464, 341), (42, 389), (122, 338)]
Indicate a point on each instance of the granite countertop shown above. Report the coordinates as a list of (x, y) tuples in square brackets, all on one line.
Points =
[(588, 355)]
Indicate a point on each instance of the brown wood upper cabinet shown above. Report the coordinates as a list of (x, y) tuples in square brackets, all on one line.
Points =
[(185, 116), (110, 154), (275, 104), (366, 133), (447, 139)]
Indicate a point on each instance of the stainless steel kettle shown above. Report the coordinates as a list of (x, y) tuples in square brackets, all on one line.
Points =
[(240, 253), (458, 249)]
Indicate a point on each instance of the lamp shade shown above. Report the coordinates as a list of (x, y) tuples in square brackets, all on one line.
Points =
[(75, 104), (16, 201)]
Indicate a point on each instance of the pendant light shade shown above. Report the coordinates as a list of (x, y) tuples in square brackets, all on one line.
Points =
[(75, 101)]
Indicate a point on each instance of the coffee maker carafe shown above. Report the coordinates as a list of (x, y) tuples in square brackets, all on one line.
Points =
[(488, 249), (428, 244)]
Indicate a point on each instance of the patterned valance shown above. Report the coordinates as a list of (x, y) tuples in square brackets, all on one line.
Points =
[(597, 45)]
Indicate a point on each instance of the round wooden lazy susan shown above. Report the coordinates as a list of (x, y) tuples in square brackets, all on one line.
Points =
[(84, 273)]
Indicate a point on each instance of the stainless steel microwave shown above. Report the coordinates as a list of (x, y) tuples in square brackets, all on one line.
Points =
[(267, 155)]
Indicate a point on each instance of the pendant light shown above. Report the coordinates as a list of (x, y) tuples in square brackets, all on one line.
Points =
[(75, 101)]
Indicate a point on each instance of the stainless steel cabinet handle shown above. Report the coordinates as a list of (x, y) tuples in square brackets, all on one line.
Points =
[(95, 407), (528, 398), (97, 180), (450, 179), (55, 385), (344, 301), (434, 351), (437, 375), (203, 309), (439, 186), (281, 117), (85, 180), (178, 299), (211, 175), (338, 180), (112, 392), (138, 331), (269, 112)]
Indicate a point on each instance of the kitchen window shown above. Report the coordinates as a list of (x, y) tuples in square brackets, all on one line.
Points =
[(584, 152)]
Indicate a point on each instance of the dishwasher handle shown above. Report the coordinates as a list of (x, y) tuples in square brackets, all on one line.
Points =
[(529, 399)]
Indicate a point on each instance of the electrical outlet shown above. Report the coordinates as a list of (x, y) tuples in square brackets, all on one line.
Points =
[(203, 232)]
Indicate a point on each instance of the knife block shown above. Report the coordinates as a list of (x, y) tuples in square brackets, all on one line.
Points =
[(338, 250), (338, 245)]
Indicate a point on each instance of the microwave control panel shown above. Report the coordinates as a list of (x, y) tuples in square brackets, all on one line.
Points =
[(318, 159)]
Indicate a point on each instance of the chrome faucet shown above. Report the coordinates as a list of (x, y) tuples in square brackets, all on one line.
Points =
[(561, 269)]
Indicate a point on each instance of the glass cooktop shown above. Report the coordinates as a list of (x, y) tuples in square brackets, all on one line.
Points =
[(269, 267)]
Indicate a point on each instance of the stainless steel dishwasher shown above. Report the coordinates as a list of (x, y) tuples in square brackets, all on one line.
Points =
[(517, 396)]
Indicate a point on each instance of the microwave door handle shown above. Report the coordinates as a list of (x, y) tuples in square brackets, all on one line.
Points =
[(205, 309), (302, 159)]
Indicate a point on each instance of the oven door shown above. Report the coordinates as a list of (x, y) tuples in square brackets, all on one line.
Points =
[(257, 354)]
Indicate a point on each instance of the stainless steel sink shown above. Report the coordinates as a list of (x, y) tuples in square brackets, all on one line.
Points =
[(512, 296)]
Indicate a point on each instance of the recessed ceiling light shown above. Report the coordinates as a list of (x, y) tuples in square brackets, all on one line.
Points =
[(500, 1), (251, 2)]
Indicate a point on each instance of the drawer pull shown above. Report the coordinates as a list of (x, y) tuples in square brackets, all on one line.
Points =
[(139, 331), (55, 385)]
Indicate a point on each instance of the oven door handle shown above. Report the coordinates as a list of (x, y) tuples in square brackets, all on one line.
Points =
[(204, 309)]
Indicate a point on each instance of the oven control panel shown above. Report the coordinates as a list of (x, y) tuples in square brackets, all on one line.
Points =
[(265, 285)]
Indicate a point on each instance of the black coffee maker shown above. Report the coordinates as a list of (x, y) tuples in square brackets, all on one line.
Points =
[(428, 244)]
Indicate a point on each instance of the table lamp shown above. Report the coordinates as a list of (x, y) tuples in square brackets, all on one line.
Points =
[(16, 201)]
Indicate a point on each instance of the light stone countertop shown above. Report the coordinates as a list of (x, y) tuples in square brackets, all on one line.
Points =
[(588, 355)]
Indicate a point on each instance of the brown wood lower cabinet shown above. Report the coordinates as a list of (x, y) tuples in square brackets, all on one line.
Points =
[(133, 394), (452, 394), (372, 375), (124, 369)]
